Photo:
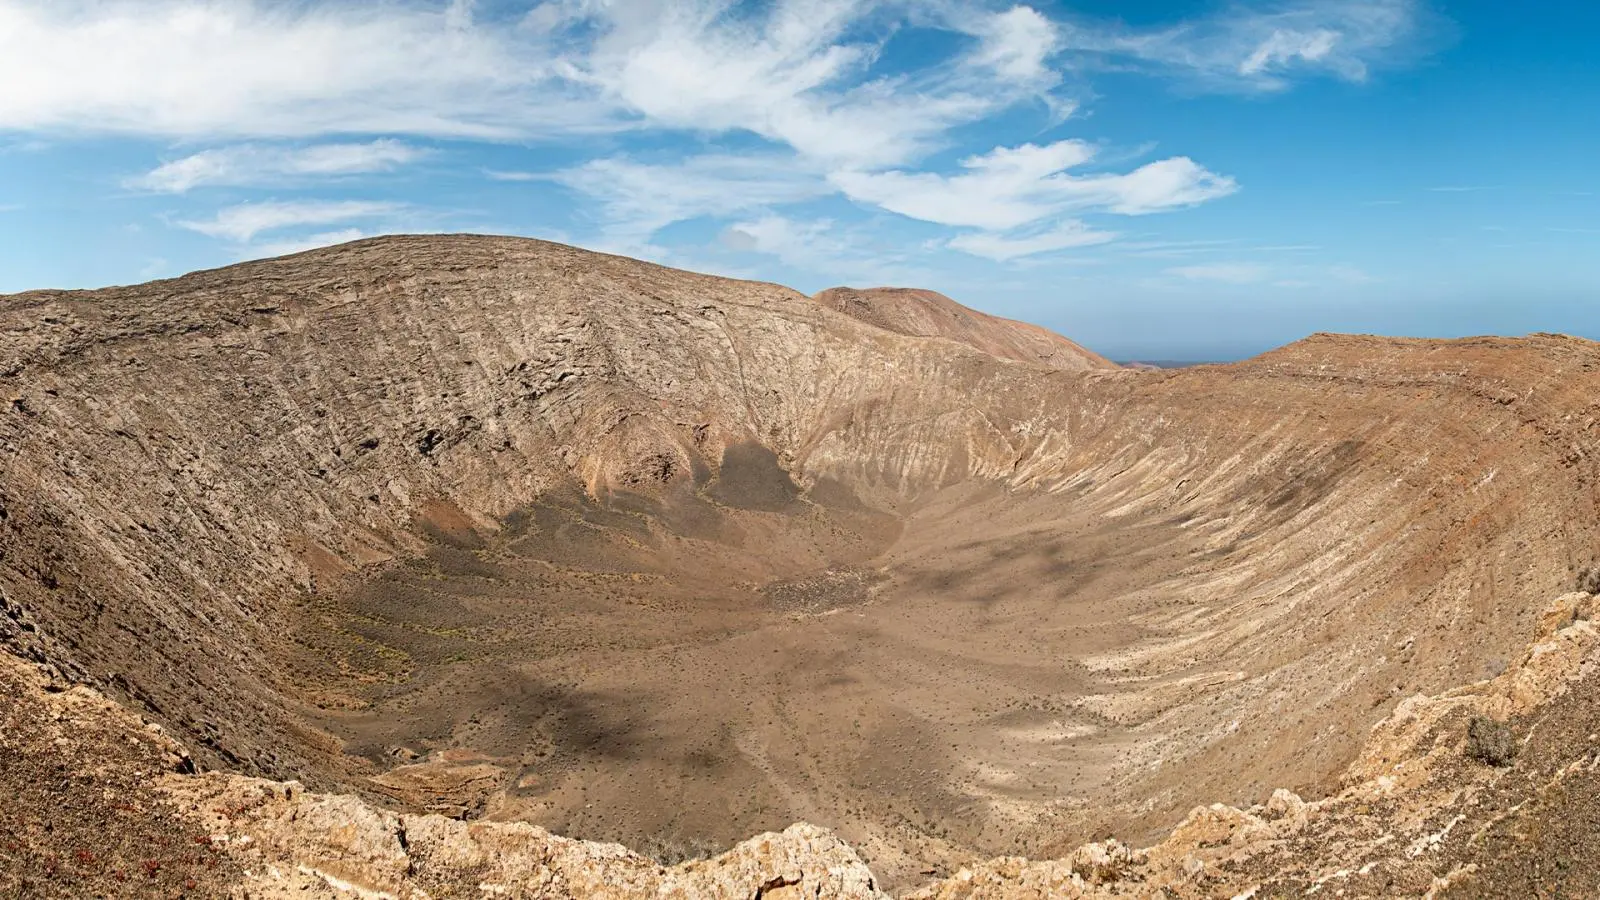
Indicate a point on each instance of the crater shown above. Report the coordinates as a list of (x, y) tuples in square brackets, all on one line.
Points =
[(703, 558)]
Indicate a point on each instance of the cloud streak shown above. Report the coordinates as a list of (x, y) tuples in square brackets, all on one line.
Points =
[(1260, 49), (1018, 196), (243, 222), (249, 68), (635, 199), (255, 165), (1226, 272), (1003, 247)]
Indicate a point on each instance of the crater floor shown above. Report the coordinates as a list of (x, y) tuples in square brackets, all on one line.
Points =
[(677, 676)]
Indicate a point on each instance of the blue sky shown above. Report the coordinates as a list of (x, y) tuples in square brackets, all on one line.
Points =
[(1157, 180)]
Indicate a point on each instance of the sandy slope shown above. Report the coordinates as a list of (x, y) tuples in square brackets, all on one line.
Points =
[(508, 530)]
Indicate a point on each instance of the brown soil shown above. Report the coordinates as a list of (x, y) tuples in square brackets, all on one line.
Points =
[(81, 814), (640, 686), (505, 530)]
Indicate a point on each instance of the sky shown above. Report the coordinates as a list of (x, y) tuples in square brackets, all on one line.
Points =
[(1158, 180)]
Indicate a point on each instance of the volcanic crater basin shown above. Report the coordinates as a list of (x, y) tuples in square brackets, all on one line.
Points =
[(817, 663), (504, 529)]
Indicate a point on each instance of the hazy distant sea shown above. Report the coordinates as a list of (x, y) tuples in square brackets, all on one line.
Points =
[(1169, 363)]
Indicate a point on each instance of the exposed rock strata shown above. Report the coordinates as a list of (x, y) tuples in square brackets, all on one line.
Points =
[(921, 313), (196, 471)]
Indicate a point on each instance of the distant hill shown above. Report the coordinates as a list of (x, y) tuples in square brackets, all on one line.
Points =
[(922, 313)]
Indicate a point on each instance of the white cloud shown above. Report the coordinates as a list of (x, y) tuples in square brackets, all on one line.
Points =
[(1171, 249), (1283, 48), (797, 72), (636, 199), (229, 68), (255, 164), (1227, 272), (1004, 188), (1018, 196), (1017, 43), (803, 89), (1003, 248), (823, 247), (243, 222), (800, 244), (1162, 185), (1294, 276), (307, 242), (1260, 49), (1015, 186)]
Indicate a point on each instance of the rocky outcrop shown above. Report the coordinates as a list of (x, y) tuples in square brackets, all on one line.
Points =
[(1419, 816), (292, 843)]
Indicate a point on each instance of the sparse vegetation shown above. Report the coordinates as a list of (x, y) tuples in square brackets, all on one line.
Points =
[(670, 850), (1491, 742), (1588, 579)]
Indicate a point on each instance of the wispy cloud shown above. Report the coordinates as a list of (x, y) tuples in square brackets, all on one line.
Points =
[(737, 112), (1245, 48), (153, 268), (636, 199), (1013, 186), (820, 245), (800, 244), (1016, 43), (799, 73), (1011, 189), (256, 164), (502, 175), (1301, 275), (1462, 188), (306, 242), (1169, 249), (1005, 247), (250, 68), (1228, 272), (243, 222), (1233, 246)]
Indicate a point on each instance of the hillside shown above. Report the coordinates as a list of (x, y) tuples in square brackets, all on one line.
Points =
[(921, 313), (507, 531)]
